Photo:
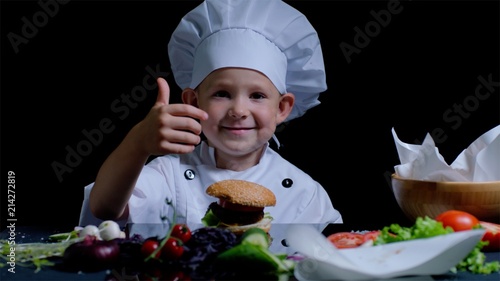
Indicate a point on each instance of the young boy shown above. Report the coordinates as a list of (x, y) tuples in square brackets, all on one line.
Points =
[(245, 66)]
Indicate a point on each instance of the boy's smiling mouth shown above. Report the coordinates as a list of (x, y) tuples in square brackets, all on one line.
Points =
[(237, 130)]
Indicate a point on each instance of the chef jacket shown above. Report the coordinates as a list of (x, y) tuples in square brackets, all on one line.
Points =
[(183, 179)]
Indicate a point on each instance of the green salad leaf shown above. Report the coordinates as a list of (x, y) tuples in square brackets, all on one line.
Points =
[(423, 228), (475, 262)]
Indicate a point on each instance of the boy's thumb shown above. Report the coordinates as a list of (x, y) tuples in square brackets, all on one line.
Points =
[(163, 91)]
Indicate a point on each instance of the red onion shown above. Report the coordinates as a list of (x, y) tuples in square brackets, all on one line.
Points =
[(91, 254)]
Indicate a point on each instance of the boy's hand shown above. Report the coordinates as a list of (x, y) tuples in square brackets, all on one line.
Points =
[(169, 128)]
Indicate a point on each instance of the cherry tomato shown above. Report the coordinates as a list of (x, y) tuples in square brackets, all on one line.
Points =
[(492, 235), (149, 246), (173, 249), (344, 240), (458, 220), (182, 232)]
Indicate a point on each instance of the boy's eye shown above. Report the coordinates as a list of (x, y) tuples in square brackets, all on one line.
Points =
[(221, 94), (257, 96)]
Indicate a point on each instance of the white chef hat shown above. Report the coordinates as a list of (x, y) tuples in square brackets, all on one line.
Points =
[(269, 36)]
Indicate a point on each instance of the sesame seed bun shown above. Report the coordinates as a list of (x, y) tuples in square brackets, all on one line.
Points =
[(243, 193)]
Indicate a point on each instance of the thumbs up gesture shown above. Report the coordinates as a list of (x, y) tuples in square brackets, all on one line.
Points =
[(169, 128)]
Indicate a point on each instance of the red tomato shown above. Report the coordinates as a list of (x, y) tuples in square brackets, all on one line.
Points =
[(182, 232), (148, 247), (372, 235), (173, 249), (492, 235), (458, 220), (344, 240)]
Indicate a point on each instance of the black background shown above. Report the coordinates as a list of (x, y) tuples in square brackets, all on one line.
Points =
[(425, 61)]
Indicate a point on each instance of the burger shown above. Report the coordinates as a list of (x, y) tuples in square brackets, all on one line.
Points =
[(240, 206)]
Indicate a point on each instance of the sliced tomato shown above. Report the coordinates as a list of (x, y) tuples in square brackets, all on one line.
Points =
[(237, 207), (492, 235), (343, 240), (458, 220), (371, 235)]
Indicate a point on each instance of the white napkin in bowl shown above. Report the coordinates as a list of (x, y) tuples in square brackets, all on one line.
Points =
[(478, 163)]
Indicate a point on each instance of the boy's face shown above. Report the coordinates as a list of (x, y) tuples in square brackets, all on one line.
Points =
[(244, 108)]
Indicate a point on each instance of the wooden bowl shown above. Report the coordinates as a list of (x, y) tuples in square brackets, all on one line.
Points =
[(418, 198)]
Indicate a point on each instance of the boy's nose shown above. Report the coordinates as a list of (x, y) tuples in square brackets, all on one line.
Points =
[(238, 110)]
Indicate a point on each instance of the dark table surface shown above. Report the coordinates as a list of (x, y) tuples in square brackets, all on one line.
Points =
[(38, 234)]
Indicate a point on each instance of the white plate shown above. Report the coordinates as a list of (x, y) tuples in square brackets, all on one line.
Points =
[(429, 256)]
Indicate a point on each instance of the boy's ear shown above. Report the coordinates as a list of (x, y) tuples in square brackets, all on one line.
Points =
[(189, 97), (285, 106)]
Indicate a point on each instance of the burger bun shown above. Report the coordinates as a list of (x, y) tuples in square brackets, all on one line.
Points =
[(242, 193)]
